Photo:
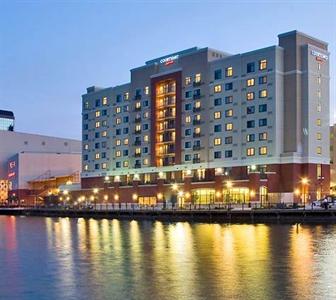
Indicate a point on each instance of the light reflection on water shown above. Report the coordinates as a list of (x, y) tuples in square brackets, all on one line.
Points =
[(61, 258)]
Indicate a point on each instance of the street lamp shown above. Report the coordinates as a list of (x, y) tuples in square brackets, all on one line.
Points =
[(305, 183)]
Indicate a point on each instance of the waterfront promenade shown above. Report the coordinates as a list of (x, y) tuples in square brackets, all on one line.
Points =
[(203, 214)]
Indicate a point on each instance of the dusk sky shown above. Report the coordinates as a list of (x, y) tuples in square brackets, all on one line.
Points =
[(50, 52)]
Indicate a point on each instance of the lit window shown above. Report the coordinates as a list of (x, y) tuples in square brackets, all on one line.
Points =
[(197, 130), (188, 80), (118, 109), (217, 141), (97, 124), (138, 104), (217, 115), (250, 82), (118, 120), (319, 136), (104, 133), (250, 151), (97, 156), (137, 127), (198, 104), (146, 90), (145, 161), (197, 117), (86, 167), (228, 126), (118, 142), (146, 138), (318, 66), (97, 113), (262, 64), (198, 77), (319, 150), (125, 141), (263, 150), (137, 150), (250, 96), (229, 113), (118, 153), (86, 147), (228, 72), (125, 163), (263, 136), (126, 96), (104, 165), (217, 88), (263, 94), (318, 122), (105, 101), (188, 119)]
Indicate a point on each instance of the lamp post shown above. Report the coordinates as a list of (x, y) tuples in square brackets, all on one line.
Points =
[(305, 183)]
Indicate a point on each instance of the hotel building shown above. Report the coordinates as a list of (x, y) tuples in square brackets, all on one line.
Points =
[(204, 126)]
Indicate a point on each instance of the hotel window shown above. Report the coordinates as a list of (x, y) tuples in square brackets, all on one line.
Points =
[(97, 156), (97, 135), (218, 128), (197, 104), (137, 150), (146, 138), (97, 124), (104, 112), (218, 101), (86, 126), (187, 132), (262, 79), (118, 109), (118, 121), (86, 105), (250, 138), (217, 115), (86, 147), (97, 145), (104, 165), (319, 150), (197, 130), (250, 96), (198, 77), (118, 153), (228, 153), (262, 122), (263, 136), (318, 122), (187, 119), (217, 154), (187, 106), (126, 96), (262, 150), (145, 161), (228, 127), (217, 88), (217, 141), (97, 113), (187, 80), (118, 164), (263, 94), (125, 130), (262, 107), (262, 64), (197, 117), (228, 140), (125, 163), (250, 124), (228, 99), (118, 142), (318, 136), (118, 98), (85, 157), (318, 66), (138, 104), (319, 107), (228, 86), (218, 74), (85, 116), (86, 167), (229, 72), (319, 94), (250, 151), (137, 128), (187, 157), (96, 166), (105, 101), (104, 133), (146, 90), (188, 94), (250, 82), (250, 110), (125, 141), (104, 123), (97, 102), (229, 113), (187, 145), (250, 67), (125, 108)]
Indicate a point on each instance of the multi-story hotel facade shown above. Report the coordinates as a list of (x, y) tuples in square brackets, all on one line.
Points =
[(205, 126)]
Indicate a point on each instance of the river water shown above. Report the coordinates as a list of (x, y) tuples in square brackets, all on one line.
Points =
[(61, 258)]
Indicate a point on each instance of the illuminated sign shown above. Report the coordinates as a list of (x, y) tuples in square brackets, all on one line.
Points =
[(11, 174), (169, 60), (319, 56)]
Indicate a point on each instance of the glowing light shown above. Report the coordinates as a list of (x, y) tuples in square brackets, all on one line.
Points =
[(134, 197), (218, 194), (65, 192), (105, 197), (297, 192), (252, 193), (188, 172), (161, 174), (117, 178), (180, 193), (136, 177), (187, 195), (253, 167), (175, 187), (219, 171), (107, 178), (95, 191), (116, 197), (304, 180), (159, 196), (229, 184)]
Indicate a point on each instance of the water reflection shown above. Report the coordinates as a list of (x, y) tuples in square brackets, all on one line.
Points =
[(111, 259)]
